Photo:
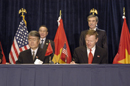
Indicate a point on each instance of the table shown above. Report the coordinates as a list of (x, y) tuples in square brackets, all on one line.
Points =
[(65, 75)]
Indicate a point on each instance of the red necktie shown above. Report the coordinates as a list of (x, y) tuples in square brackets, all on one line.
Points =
[(90, 57)]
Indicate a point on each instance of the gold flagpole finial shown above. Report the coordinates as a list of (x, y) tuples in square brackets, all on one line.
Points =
[(93, 11), (123, 13), (23, 11), (60, 13)]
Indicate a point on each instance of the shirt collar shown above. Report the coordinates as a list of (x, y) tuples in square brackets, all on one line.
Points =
[(92, 50), (43, 39), (34, 51), (94, 28)]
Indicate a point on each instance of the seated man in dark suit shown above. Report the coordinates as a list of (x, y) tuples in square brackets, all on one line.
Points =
[(35, 52), (90, 53), (102, 37), (43, 31)]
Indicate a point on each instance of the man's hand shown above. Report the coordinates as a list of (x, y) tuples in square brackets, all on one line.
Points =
[(73, 62)]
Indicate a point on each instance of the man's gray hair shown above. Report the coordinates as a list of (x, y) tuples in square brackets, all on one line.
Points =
[(34, 33), (90, 16)]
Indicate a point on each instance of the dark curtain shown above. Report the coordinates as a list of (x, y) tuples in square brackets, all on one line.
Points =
[(74, 15)]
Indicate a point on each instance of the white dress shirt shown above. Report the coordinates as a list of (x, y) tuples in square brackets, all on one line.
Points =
[(93, 29), (34, 51), (42, 39), (92, 50)]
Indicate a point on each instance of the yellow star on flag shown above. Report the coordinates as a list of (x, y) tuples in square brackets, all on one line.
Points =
[(127, 58)]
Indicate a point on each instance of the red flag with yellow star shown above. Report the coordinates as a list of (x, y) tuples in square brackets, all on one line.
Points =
[(49, 50), (123, 55), (60, 39)]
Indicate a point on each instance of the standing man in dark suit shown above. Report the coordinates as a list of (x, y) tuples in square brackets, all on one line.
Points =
[(102, 38), (90, 53), (43, 31), (29, 56)]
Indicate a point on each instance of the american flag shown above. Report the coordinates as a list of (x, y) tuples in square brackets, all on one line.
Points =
[(20, 42), (64, 51)]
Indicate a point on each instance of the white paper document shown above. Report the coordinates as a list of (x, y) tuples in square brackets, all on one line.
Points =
[(38, 61)]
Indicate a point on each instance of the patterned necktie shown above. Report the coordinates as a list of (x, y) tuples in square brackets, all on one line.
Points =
[(42, 43), (33, 55), (90, 57)]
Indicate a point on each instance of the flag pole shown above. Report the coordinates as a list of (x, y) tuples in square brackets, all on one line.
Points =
[(60, 13), (62, 49)]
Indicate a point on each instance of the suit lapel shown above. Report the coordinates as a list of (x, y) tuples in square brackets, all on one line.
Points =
[(97, 30), (30, 57), (84, 55), (45, 46), (97, 57), (38, 54)]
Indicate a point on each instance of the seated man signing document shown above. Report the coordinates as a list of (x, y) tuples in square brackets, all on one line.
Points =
[(34, 55), (91, 53)]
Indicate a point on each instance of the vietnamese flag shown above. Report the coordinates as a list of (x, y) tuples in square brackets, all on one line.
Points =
[(60, 39), (3, 58), (49, 50), (123, 55)]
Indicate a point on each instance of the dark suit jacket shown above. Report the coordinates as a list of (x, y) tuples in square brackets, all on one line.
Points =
[(102, 38), (25, 57), (80, 55), (46, 45)]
